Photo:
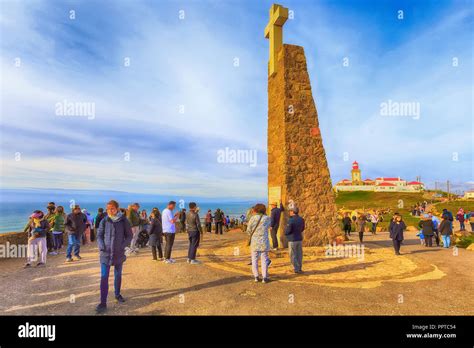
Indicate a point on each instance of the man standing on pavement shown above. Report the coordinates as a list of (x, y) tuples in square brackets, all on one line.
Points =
[(294, 234), (169, 229), (275, 215), (75, 226)]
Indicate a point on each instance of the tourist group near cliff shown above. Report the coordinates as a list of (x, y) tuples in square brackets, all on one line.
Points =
[(122, 232)]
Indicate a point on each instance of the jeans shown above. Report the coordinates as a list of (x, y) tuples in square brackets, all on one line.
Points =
[(58, 240), (34, 245), (274, 234), (472, 226), (208, 226), (194, 238), (436, 236), (428, 241), (218, 227), (49, 240), (374, 227), (169, 237), (446, 240), (296, 254), (264, 263), (73, 242), (160, 251), (104, 281), (135, 233), (461, 226), (361, 237), (347, 230)]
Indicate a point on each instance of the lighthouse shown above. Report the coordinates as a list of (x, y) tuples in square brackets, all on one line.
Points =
[(355, 172)]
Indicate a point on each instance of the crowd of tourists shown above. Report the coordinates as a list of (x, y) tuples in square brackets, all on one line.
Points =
[(120, 232), (360, 221), (432, 228)]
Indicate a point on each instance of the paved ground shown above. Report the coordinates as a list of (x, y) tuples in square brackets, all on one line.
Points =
[(420, 282)]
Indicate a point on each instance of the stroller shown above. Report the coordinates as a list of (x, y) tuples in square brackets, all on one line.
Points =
[(142, 239)]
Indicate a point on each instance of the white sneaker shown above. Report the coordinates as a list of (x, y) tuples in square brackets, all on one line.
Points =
[(167, 261), (172, 261), (195, 262)]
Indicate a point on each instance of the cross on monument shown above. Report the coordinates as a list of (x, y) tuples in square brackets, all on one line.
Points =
[(274, 32)]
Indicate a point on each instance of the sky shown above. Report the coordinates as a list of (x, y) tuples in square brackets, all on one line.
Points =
[(171, 84)]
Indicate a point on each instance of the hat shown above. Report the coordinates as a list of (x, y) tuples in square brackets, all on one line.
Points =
[(37, 214), (294, 209)]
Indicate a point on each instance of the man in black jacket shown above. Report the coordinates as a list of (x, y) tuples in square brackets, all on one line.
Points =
[(193, 226), (275, 215), (294, 234), (75, 226)]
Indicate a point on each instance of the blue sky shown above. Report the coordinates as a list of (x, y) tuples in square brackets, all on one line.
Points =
[(160, 121)]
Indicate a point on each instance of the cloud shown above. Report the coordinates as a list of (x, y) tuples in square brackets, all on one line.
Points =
[(212, 66)]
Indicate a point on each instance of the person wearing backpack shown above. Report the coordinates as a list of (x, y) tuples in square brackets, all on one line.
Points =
[(57, 227), (194, 229), (259, 242)]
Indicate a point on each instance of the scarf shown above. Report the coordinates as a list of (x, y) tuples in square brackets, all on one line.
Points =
[(115, 218)]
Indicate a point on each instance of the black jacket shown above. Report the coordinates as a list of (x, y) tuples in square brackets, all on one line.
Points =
[(193, 223), (445, 228), (275, 215), (346, 221), (98, 219), (76, 224), (427, 227), (155, 231), (294, 228), (396, 230)]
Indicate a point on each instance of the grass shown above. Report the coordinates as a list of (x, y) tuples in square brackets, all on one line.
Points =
[(397, 202), (465, 241), (453, 206)]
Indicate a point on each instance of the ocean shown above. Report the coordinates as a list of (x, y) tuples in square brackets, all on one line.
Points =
[(14, 215)]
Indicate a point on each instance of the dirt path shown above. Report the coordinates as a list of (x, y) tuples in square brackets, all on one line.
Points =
[(421, 281)]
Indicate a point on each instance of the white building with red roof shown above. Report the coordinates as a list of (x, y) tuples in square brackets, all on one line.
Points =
[(382, 184)]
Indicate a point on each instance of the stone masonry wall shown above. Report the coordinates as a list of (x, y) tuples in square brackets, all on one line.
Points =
[(296, 157)]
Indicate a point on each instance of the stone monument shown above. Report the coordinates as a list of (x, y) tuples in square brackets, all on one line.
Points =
[(298, 172)]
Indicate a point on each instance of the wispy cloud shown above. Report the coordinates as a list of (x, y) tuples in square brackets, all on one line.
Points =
[(197, 85)]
